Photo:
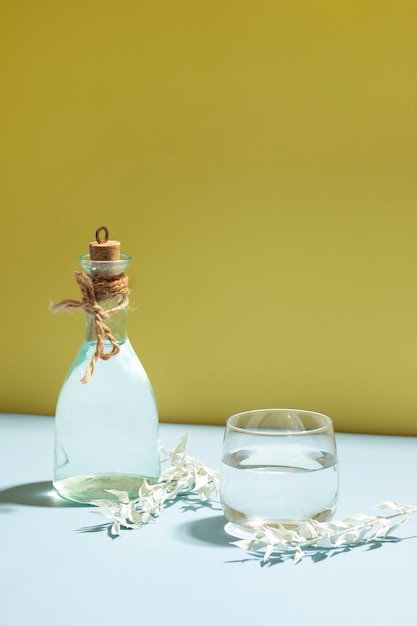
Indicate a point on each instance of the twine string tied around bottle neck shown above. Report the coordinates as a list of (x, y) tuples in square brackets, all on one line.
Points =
[(95, 290)]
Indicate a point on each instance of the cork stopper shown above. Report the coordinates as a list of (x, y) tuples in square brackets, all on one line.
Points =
[(104, 249)]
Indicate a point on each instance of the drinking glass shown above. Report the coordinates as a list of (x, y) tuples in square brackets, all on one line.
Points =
[(278, 466)]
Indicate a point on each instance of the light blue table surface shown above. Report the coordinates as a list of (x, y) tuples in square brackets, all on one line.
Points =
[(60, 567)]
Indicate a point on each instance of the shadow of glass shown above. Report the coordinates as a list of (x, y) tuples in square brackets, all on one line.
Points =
[(209, 531), (35, 494)]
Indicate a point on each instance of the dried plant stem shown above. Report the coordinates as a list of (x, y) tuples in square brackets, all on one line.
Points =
[(326, 535), (186, 475)]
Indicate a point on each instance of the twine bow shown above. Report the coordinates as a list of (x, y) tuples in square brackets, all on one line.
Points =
[(93, 291)]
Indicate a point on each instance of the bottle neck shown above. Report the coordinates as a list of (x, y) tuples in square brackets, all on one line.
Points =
[(116, 323), (111, 291)]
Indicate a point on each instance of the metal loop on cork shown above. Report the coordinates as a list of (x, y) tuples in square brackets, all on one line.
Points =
[(106, 234)]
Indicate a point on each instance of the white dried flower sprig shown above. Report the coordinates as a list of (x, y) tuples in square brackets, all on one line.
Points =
[(298, 537), (186, 475)]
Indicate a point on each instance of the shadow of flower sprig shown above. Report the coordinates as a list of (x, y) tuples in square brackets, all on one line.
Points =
[(98, 528), (316, 555), (186, 477), (194, 504)]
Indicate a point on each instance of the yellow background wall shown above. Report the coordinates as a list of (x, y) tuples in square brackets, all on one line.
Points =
[(257, 159)]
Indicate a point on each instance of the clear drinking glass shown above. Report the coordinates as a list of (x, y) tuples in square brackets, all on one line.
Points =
[(278, 465)]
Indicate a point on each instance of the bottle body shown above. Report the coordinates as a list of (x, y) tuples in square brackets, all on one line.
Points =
[(106, 429)]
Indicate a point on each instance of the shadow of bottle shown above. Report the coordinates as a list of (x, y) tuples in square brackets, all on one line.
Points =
[(35, 494)]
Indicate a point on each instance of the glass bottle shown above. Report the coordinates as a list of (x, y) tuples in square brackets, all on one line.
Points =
[(106, 429)]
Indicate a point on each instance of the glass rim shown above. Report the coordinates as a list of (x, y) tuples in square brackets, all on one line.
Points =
[(116, 264), (328, 422)]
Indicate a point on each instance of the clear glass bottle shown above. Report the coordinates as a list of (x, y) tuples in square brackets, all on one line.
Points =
[(106, 429)]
